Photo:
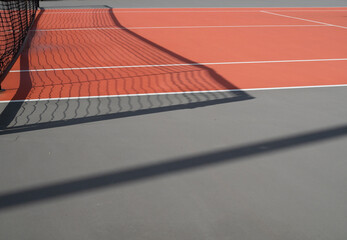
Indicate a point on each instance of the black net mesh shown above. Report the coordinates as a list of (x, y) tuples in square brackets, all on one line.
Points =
[(16, 18)]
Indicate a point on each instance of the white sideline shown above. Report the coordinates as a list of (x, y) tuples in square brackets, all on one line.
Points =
[(303, 19), (178, 65), (175, 93)]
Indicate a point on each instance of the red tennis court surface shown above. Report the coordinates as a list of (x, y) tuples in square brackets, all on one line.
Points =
[(101, 52)]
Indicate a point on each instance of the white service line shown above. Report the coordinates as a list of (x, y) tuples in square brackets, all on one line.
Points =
[(177, 65), (303, 19), (176, 93), (172, 27)]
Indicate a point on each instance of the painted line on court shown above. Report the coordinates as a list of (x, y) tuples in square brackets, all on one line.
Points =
[(303, 19), (177, 93), (178, 65), (309, 10), (200, 11), (173, 27)]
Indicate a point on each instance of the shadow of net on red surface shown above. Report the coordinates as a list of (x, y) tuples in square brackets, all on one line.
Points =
[(97, 39)]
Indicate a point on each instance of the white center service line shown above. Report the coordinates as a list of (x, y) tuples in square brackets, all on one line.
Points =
[(172, 27), (303, 19), (178, 65)]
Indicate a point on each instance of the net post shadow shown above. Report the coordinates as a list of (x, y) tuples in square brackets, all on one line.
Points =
[(12, 199)]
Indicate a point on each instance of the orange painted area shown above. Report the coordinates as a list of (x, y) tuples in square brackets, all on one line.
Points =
[(285, 74), (102, 47), (72, 18), (201, 19), (252, 44), (117, 47), (177, 79)]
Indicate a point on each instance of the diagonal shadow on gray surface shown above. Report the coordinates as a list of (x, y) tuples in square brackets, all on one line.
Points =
[(161, 169), (128, 45)]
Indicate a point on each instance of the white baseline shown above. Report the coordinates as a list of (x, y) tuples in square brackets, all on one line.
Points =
[(178, 65), (176, 93)]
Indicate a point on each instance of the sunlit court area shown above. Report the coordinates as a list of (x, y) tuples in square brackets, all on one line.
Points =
[(166, 120)]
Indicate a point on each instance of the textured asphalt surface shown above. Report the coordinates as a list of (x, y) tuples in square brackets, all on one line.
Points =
[(257, 165)]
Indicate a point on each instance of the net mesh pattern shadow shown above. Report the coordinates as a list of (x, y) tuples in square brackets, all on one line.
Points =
[(100, 47), (16, 18)]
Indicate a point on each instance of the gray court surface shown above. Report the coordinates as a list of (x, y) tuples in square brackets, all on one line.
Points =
[(250, 165)]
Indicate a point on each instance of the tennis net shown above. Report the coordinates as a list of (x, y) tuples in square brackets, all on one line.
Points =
[(16, 18)]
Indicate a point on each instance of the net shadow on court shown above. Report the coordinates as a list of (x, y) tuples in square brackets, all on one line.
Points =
[(124, 44), (16, 18)]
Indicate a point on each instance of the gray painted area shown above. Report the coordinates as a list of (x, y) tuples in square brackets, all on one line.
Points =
[(271, 167), (257, 165)]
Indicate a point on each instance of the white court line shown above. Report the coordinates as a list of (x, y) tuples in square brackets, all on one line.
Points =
[(177, 65), (176, 93), (203, 11), (164, 11), (172, 27), (303, 19), (309, 10)]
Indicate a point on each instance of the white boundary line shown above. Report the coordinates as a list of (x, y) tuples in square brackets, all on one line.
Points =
[(178, 65), (303, 19), (172, 27), (163, 11), (176, 93), (201, 11), (308, 10)]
